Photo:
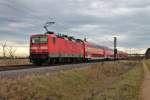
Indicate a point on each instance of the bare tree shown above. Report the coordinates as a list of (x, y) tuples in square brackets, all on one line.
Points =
[(4, 45), (11, 51)]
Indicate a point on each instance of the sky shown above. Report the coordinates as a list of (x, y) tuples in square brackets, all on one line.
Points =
[(97, 20)]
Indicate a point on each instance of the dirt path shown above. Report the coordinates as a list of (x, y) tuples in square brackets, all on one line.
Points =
[(145, 92)]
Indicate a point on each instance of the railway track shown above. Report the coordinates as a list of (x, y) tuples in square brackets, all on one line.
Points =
[(15, 67), (23, 70), (29, 66)]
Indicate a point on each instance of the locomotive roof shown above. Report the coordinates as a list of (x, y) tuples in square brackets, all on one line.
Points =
[(69, 37)]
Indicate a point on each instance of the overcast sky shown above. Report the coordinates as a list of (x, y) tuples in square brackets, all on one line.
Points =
[(97, 20)]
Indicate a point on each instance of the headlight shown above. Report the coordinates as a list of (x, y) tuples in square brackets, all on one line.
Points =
[(34, 47), (43, 47)]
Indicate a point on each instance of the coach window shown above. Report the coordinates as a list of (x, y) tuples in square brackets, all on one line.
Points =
[(54, 40)]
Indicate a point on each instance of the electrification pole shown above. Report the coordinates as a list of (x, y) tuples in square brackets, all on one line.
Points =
[(115, 48)]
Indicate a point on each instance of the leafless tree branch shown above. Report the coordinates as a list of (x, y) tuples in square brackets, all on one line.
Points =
[(11, 51), (4, 45)]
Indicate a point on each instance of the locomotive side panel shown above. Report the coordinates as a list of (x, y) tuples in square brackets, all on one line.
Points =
[(65, 48)]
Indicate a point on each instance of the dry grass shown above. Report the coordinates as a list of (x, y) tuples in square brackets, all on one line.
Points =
[(126, 88), (147, 63), (76, 84), (7, 62)]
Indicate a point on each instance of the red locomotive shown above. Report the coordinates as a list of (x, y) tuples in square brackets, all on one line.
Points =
[(54, 48)]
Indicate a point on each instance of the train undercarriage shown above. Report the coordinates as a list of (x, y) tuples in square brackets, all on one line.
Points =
[(40, 59)]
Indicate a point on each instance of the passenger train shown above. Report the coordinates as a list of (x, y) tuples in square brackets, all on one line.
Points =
[(52, 48)]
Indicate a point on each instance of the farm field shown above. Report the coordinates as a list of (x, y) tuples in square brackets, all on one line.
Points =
[(118, 80), (8, 62), (147, 62)]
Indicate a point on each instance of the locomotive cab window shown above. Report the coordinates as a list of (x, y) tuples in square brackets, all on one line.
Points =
[(39, 39)]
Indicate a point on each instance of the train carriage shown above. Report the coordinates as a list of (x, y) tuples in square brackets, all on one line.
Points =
[(122, 55), (94, 52), (109, 53)]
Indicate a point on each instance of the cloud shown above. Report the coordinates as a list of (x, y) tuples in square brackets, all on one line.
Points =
[(97, 20)]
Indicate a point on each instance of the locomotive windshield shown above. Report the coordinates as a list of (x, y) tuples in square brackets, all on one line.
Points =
[(39, 39)]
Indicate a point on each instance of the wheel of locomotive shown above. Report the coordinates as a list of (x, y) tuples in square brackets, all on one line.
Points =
[(51, 61), (38, 63), (59, 60), (68, 60)]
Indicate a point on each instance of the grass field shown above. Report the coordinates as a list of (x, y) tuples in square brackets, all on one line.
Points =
[(148, 64), (103, 81), (7, 62), (127, 87)]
